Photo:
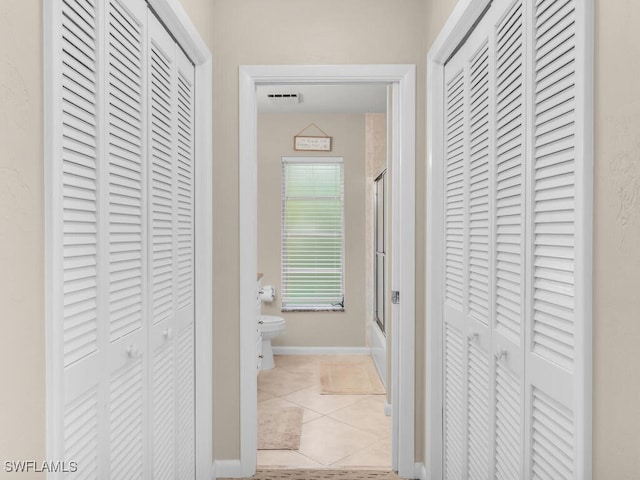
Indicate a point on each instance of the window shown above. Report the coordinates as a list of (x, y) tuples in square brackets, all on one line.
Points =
[(312, 234)]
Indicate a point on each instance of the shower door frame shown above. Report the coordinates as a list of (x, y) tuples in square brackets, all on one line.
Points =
[(380, 204)]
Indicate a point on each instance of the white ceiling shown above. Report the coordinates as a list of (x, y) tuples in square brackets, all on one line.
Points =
[(360, 98)]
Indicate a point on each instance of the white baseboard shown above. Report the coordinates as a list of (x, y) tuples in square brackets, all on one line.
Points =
[(387, 409), (421, 471), (228, 469), (321, 350)]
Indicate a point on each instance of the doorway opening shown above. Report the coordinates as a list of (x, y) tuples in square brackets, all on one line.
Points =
[(401, 79), (316, 251)]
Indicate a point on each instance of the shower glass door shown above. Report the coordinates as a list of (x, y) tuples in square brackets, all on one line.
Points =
[(380, 226)]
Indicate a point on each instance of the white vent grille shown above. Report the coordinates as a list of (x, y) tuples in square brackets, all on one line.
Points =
[(288, 98)]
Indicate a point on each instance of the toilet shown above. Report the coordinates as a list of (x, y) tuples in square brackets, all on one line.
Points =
[(271, 326)]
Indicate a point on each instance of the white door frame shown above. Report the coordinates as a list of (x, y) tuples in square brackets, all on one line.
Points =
[(462, 19), (402, 77), (180, 26)]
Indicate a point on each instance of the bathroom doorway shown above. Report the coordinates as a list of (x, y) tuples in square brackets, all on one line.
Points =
[(401, 78), (321, 398)]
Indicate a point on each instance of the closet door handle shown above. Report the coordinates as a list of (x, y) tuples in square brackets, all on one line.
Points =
[(501, 354), (133, 351)]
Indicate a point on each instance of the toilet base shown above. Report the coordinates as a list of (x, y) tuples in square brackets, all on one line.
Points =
[(267, 355)]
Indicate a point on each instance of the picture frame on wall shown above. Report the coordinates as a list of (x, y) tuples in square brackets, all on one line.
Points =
[(311, 143)]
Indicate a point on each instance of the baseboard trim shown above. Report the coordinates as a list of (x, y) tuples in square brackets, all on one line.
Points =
[(321, 350), (421, 471), (388, 408), (228, 469)]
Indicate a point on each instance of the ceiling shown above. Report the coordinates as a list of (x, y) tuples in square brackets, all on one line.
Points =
[(351, 98)]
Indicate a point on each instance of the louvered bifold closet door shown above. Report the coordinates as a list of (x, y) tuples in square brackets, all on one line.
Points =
[(468, 262), (556, 349), (514, 349), (83, 289), (509, 238), (124, 345), (454, 351), (184, 172), (103, 157), (171, 185), (125, 149)]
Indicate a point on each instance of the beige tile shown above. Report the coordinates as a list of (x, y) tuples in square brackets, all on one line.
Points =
[(284, 459), (346, 358), (310, 398), (278, 402), (367, 415), (263, 396), (279, 382), (326, 440), (375, 456), (302, 364)]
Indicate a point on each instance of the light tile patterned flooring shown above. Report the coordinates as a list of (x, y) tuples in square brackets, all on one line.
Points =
[(338, 431)]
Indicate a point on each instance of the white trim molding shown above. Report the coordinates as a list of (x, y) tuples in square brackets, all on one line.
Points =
[(402, 78), (228, 469), (180, 26), (421, 471), (285, 350)]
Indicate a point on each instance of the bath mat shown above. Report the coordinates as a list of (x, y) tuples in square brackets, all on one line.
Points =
[(279, 428), (349, 378)]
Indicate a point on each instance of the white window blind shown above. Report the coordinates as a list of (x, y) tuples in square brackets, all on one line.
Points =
[(312, 233)]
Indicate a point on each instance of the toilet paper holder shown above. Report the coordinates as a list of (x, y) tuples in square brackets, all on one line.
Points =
[(267, 293)]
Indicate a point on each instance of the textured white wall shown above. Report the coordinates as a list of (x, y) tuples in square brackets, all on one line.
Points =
[(22, 347)]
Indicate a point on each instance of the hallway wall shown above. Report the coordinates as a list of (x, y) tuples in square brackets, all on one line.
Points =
[(254, 32), (22, 346), (616, 259)]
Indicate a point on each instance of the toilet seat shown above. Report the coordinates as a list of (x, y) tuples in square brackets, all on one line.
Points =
[(271, 323)]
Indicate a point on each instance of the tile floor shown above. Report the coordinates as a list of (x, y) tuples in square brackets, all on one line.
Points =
[(338, 431)]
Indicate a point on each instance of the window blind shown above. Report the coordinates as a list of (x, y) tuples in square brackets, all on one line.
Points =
[(312, 233)]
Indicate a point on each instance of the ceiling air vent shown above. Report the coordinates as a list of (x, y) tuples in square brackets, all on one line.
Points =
[(284, 98)]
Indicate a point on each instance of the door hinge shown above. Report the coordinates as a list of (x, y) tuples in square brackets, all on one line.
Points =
[(395, 297)]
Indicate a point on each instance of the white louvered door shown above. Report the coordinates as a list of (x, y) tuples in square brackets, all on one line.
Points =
[(171, 271), (125, 352), (162, 271), (124, 187), (467, 334), (512, 399), (81, 342), (509, 243), (555, 274)]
